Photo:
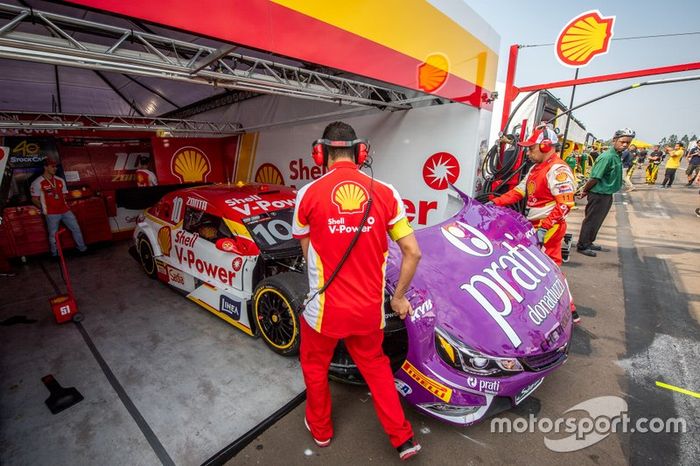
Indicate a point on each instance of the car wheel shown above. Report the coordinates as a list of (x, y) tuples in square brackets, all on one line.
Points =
[(276, 305), (148, 262)]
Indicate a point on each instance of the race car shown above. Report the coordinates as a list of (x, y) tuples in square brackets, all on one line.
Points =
[(491, 318), (229, 248), (491, 310)]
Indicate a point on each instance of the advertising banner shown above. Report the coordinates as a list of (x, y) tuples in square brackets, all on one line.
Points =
[(419, 152), (4, 155), (191, 160)]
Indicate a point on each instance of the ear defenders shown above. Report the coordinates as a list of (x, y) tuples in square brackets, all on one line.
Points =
[(320, 150), (546, 143)]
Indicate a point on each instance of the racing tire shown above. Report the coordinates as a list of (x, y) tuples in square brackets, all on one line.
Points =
[(276, 304), (146, 258)]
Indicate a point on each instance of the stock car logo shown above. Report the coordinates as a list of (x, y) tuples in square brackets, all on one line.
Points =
[(164, 240), (190, 165), (440, 170), (349, 197), (230, 307), (467, 239), (268, 173)]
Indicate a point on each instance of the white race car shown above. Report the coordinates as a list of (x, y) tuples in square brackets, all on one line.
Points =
[(230, 250)]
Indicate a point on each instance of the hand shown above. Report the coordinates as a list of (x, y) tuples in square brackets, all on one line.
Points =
[(401, 306), (581, 194), (541, 232)]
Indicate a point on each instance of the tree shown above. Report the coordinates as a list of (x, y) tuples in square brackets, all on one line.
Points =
[(672, 140), (694, 137), (663, 142), (685, 140)]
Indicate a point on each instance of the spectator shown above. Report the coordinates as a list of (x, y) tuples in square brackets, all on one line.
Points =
[(693, 163), (48, 193), (674, 161), (144, 176), (628, 160), (605, 180)]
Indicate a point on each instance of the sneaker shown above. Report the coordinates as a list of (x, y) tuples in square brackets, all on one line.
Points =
[(320, 443), (697, 212), (575, 317), (587, 252), (408, 449)]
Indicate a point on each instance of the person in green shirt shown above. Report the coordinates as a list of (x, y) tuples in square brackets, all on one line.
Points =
[(605, 180)]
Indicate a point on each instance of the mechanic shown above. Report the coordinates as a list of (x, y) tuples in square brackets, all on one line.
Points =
[(351, 307), (655, 158), (48, 193), (674, 161), (605, 180), (693, 163), (549, 186), (144, 176)]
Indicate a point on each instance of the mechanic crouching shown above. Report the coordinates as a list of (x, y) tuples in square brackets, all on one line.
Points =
[(342, 220), (549, 187)]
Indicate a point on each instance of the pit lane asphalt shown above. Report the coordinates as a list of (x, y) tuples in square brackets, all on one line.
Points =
[(640, 305)]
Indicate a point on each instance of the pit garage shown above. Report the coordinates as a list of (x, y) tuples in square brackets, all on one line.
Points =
[(106, 88)]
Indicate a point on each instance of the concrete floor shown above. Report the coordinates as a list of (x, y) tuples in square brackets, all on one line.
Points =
[(190, 384)]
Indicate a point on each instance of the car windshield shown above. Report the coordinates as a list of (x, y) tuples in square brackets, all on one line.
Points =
[(272, 231)]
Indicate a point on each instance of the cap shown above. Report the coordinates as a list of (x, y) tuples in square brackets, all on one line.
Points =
[(540, 134), (48, 161)]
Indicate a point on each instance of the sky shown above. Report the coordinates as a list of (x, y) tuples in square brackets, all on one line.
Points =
[(654, 111)]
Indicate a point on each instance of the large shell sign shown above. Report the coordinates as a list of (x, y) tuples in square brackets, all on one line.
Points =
[(583, 38), (190, 165)]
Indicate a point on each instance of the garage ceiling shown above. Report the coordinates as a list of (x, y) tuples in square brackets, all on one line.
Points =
[(59, 58)]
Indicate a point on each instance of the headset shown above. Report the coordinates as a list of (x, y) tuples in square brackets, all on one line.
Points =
[(320, 150), (546, 144)]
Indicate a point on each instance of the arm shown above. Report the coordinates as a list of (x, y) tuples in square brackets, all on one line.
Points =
[(305, 247), (36, 201), (410, 256), (561, 184), (514, 195)]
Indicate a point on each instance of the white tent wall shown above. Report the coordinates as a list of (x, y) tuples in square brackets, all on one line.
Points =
[(404, 145)]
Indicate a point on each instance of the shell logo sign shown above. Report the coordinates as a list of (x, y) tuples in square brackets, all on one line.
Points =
[(164, 240), (432, 74), (190, 165), (585, 37), (440, 170), (349, 197), (268, 173)]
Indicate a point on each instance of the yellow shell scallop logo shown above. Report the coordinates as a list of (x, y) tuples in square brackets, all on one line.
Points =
[(190, 165), (584, 38), (349, 197), (268, 173), (433, 72), (164, 240)]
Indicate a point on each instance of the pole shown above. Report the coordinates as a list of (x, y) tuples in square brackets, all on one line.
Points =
[(511, 91), (568, 118)]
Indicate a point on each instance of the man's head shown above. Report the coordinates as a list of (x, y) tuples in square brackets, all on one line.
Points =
[(50, 166), (632, 147), (656, 147), (679, 145), (338, 143), (541, 144), (143, 161), (622, 139)]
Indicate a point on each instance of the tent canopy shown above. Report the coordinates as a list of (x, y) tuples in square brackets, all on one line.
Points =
[(640, 144)]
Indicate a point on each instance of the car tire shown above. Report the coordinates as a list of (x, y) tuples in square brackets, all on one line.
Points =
[(146, 258), (276, 304)]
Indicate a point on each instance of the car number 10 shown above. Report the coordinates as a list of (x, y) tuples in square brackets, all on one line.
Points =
[(274, 231)]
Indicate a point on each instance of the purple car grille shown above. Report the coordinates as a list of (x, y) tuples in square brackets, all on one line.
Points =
[(544, 361)]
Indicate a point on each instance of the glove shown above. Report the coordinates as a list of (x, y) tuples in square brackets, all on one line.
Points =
[(541, 232)]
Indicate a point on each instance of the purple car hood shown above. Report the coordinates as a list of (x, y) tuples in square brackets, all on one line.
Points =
[(483, 279)]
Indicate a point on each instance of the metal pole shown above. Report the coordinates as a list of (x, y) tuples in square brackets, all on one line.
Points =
[(511, 91), (568, 118)]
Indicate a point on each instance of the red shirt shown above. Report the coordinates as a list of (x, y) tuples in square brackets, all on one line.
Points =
[(328, 212), (145, 178), (51, 193)]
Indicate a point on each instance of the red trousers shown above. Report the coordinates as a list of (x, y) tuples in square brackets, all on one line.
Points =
[(366, 351), (553, 240)]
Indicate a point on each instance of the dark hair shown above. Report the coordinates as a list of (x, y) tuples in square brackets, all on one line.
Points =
[(143, 160), (680, 144), (339, 131)]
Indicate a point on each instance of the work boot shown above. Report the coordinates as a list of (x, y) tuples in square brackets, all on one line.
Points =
[(408, 449), (587, 252), (595, 247)]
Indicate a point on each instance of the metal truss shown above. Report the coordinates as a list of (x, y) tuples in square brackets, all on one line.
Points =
[(25, 121), (145, 54)]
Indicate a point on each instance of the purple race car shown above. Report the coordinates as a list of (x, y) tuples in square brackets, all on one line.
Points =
[(492, 317)]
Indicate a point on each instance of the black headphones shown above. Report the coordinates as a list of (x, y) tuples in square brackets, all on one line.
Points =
[(320, 150)]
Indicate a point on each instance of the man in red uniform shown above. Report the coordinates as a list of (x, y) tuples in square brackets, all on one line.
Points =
[(144, 176), (549, 187), (48, 193), (329, 213)]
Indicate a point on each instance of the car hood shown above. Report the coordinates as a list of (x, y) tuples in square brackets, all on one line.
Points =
[(483, 279)]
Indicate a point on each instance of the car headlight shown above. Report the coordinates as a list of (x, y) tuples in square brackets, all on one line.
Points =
[(466, 359)]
